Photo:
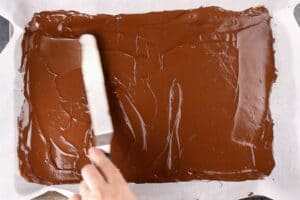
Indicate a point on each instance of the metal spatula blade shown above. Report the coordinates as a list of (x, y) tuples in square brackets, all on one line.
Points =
[(94, 84)]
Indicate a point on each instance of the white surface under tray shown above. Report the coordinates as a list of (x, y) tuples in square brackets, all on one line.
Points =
[(282, 184)]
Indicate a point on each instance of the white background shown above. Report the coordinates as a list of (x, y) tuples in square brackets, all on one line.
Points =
[(284, 181)]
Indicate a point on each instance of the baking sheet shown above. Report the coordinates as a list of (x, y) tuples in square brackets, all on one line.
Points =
[(284, 181)]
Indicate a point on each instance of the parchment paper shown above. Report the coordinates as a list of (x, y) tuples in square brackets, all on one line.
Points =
[(282, 184)]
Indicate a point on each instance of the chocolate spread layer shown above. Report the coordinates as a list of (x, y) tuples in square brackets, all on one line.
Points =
[(188, 92)]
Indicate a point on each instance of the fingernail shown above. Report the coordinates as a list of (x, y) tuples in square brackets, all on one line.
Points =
[(94, 150), (87, 166)]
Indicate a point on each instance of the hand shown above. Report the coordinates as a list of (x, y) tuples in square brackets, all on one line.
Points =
[(102, 180)]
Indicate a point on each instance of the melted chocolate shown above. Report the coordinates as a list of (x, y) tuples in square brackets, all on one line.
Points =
[(188, 92)]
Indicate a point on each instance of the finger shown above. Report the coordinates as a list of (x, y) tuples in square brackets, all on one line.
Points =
[(92, 177), (86, 193), (109, 170), (83, 187), (83, 190), (75, 197)]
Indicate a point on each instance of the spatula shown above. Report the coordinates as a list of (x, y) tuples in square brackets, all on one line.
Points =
[(94, 84)]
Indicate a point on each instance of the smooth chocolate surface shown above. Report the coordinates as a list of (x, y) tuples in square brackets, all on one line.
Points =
[(188, 91)]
